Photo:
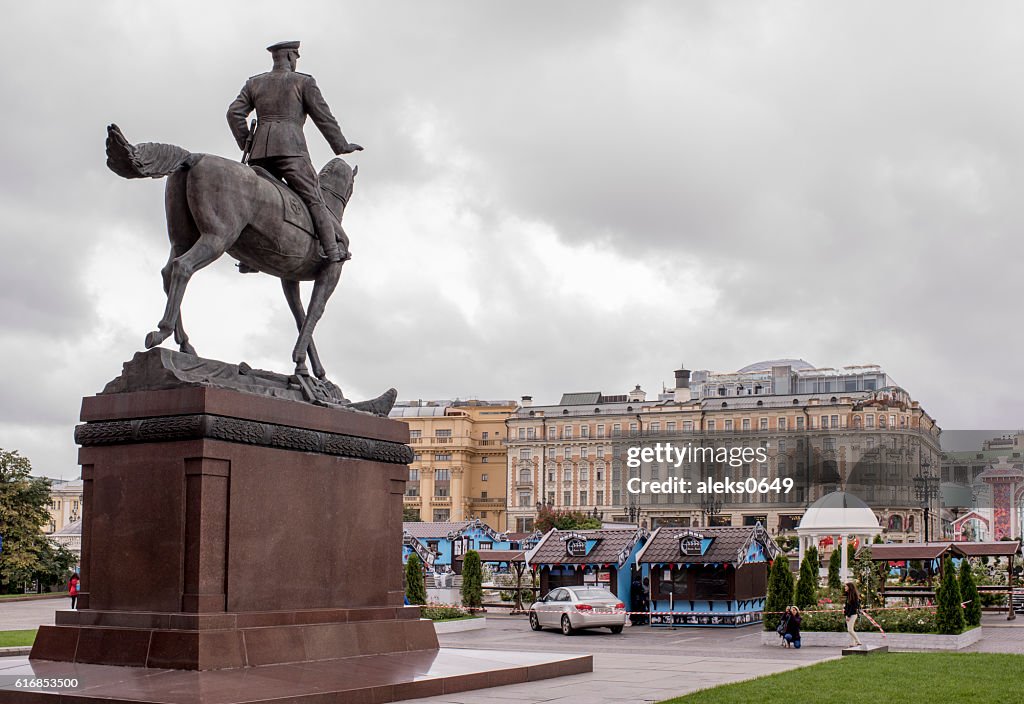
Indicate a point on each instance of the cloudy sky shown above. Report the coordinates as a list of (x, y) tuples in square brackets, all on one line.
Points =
[(554, 196)]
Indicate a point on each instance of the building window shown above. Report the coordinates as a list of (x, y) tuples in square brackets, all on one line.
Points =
[(632, 429), (441, 491), (746, 424), (522, 433), (551, 475), (443, 457), (531, 433), (599, 498), (414, 475), (728, 425), (584, 472), (711, 425), (782, 423), (616, 430), (764, 424), (567, 498), (599, 472), (412, 491), (525, 476), (524, 453), (567, 453), (567, 474), (441, 515), (800, 423), (485, 460), (688, 426), (552, 432), (442, 475), (483, 477), (782, 445), (835, 421), (584, 431), (483, 494), (524, 499), (583, 498), (869, 421), (413, 434), (616, 497), (824, 422), (655, 427), (670, 427), (567, 432), (600, 431)]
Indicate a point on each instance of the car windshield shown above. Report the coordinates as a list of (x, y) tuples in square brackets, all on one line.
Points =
[(594, 593)]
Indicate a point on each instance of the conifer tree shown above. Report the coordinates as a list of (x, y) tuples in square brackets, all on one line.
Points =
[(415, 588), (472, 580), (949, 616), (807, 585), (969, 594), (780, 591), (835, 563)]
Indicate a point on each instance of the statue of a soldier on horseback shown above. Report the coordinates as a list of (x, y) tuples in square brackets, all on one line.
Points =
[(273, 212)]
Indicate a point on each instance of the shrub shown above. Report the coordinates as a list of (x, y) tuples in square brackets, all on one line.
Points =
[(780, 591), (807, 585), (896, 621), (442, 612), (415, 587), (472, 580), (949, 616), (868, 577), (835, 563), (969, 594)]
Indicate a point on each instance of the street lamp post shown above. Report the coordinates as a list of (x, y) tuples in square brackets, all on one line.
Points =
[(711, 505), (926, 488)]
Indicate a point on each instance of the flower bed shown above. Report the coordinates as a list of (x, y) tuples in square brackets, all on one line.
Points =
[(891, 621), (894, 641)]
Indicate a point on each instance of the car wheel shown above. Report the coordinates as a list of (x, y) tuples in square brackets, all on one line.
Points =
[(567, 629), (615, 629), (534, 621)]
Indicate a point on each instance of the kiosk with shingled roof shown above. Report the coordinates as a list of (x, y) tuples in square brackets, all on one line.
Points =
[(714, 576)]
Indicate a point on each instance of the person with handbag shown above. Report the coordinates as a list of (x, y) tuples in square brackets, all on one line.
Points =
[(791, 635), (851, 610)]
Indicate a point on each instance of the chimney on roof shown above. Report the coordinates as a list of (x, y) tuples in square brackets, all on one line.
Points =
[(526, 401), (682, 390)]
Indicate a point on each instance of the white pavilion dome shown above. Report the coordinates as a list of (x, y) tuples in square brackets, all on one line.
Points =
[(838, 513)]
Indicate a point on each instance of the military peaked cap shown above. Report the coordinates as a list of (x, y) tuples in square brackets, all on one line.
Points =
[(280, 46)]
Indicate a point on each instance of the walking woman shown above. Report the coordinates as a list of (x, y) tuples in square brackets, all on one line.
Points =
[(74, 586), (850, 610)]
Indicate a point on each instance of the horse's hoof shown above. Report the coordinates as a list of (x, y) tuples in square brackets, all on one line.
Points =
[(301, 370), (155, 338)]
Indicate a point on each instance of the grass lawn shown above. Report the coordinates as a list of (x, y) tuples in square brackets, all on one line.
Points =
[(12, 638), (892, 677)]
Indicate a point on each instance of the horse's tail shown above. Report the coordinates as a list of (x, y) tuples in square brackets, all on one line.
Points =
[(146, 160)]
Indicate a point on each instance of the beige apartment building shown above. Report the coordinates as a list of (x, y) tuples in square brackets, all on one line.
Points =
[(458, 472), (851, 428), (65, 504)]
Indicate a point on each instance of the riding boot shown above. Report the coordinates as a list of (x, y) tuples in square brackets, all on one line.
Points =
[(323, 223)]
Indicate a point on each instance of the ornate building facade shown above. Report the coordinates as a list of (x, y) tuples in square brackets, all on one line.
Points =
[(850, 428), (458, 473)]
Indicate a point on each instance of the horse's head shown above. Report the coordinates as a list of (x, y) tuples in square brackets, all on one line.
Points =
[(337, 179)]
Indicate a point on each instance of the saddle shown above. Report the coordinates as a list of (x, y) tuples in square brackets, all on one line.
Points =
[(294, 210)]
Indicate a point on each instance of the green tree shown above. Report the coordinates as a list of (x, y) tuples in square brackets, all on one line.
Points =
[(563, 519), (807, 585), (835, 564), (411, 514), (866, 574), (969, 594), (472, 580), (949, 616), (780, 591), (878, 539), (415, 587), (27, 552), (815, 558)]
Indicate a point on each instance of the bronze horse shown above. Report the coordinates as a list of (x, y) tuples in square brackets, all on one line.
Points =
[(216, 206)]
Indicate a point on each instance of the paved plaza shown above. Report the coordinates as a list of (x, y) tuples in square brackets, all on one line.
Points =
[(640, 665)]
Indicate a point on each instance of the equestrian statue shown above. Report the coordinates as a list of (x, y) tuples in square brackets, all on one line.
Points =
[(273, 212)]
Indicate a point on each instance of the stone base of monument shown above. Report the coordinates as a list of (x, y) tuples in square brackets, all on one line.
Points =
[(240, 546)]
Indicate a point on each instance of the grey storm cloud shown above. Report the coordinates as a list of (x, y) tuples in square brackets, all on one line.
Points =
[(553, 196)]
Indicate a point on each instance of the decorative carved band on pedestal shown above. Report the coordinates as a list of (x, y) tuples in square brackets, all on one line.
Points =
[(247, 432)]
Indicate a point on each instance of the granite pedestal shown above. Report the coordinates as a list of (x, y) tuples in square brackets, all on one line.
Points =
[(228, 531)]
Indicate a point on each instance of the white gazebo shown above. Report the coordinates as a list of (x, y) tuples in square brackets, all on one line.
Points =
[(835, 514)]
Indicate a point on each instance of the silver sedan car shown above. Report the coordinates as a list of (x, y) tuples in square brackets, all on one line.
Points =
[(572, 608)]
